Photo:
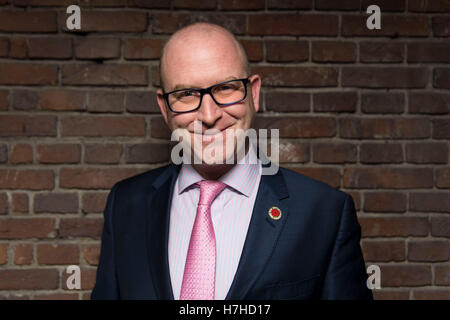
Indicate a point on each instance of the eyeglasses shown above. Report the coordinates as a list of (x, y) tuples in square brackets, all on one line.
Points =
[(224, 94)]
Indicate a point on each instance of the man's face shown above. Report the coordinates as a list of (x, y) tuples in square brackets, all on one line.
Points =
[(201, 61)]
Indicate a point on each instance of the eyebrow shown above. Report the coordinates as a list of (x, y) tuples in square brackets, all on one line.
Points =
[(186, 86)]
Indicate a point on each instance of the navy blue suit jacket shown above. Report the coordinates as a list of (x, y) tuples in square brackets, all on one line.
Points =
[(311, 252)]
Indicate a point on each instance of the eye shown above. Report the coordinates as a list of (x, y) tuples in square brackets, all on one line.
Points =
[(188, 93)]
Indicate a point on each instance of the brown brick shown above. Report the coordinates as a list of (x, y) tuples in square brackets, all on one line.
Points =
[(94, 178), (56, 202), (111, 21), (4, 99), (41, 228), (442, 275), (3, 153), (384, 128), (293, 24), (429, 251), (103, 153), (384, 251), (25, 100), (392, 25), (335, 101), (429, 6), (20, 203), (405, 275), (426, 152), (374, 153), (334, 153), (385, 202), (440, 25), (26, 179), (141, 102), (287, 101), (242, 5), (94, 202), (18, 48), (50, 48), (28, 21), (147, 153), (287, 51), (289, 4), (393, 227), (51, 254), (29, 279), (391, 178), (97, 126), (106, 74), (80, 228), (23, 254), (432, 294), (384, 77), (337, 5), (430, 201), (429, 52), (274, 76), (59, 153), (386, 294), (56, 296), (294, 151), (333, 51), (23, 74), (381, 52), (194, 4), (138, 48), (106, 101), (63, 100), (97, 48), (299, 127), (159, 129), (88, 277), (440, 227), (154, 4), (91, 254), (330, 176), (4, 206), (441, 76), (4, 47), (429, 103), (3, 253), (21, 154), (443, 178), (253, 49)]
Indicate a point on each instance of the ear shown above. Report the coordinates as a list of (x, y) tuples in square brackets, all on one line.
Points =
[(162, 105), (255, 82)]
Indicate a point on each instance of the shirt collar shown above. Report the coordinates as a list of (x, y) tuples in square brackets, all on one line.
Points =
[(242, 177)]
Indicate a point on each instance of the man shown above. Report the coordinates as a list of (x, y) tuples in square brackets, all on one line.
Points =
[(218, 230)]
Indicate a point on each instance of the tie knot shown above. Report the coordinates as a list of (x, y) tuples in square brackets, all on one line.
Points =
[(209, 190)]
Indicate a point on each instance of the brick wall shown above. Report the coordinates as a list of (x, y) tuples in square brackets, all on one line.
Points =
[(366, 111)]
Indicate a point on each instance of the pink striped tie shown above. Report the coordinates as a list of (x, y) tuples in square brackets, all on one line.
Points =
[(200, 267)]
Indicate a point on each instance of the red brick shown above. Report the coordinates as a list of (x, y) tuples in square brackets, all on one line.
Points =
[(91, 254), (141, 102), (441, 128), (429, 201), (29, 279), (384, 128), (405, 275), (159, 129), (441, 26), (443, 178), (441, 76), (103, 153), (381, 52), (20, 203), (431, 294), (391, 178), (386, 5), (3, 253), (4, 206), (59, 153), (385, 202), (293, 24), (21, 154), (429, 251), (299, 127), (80, 228), (23, 254), (63, 100), (337, 5), (384, 77), (4, 47), (253, 49), (426, 152), (41, 228), (25, 100), (28, 74), (391, 26), (4, 99), (18, 48), (384, 294), (94, 178), (97, 48), (394, 227), (56, 296), (154, 4), (52, 254), (50, 48), (287, 101), (334, 152), (242, 5), (194, 4), (3, 153), (106, 101), (43, 3), (429, 6), (287, 51), (330, 176), (138, 48), (111, 21), (384, 251), (94, 202), (333, 51), (297, 76), (56, 202), (90, 126), (26, 179), (429, 52), (442, 275), (429, 103), (107, 74), (88, 277), (28, 21), (335, 101), (147, 153), (289, 4), (294, 152), (375, 153)]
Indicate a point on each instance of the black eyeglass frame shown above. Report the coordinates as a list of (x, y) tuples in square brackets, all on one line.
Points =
[(204, 91)]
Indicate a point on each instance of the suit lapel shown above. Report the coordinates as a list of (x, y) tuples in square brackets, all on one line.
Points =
[(157, 231), (262, 235)]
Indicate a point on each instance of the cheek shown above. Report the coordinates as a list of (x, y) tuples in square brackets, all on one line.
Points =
[(181, 120)]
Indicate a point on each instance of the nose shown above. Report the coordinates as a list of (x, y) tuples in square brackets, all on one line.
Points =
[(209, 112)]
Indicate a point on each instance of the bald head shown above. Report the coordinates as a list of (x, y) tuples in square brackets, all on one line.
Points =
[(199, 38)]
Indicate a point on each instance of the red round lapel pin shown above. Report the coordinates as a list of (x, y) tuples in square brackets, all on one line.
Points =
[(275, 213)]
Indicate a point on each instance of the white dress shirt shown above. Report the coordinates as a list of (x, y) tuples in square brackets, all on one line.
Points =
[(230, 212)]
